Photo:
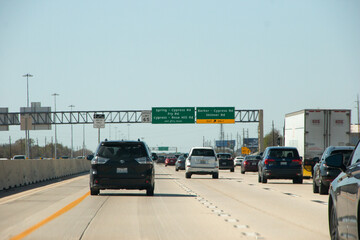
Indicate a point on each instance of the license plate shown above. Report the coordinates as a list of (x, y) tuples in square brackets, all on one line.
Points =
[(121, 170), (224, 163), (202, 162), (283, 163), (254, 164)]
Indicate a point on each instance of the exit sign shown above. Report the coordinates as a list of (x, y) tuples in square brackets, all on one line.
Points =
[(173, 115), (215, 115)]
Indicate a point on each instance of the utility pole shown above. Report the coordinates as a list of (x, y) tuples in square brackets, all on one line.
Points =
[(27, 134), (10, 147), (55, 95), (273, 134), (72, 140)]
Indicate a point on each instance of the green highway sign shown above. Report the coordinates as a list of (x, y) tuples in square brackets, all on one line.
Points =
[(163, 148), (172, 115), (215, 115)]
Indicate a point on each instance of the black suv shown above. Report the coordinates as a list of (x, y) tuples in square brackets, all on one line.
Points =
[(323, 175), (122, 165), (226, 161), (280, 163)]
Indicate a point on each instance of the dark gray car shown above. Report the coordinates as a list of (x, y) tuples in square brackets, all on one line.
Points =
[(180, 163), (323, 175), (122, 165)]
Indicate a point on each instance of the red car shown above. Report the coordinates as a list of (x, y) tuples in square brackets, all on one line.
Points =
[(250, 164), (170, 161)]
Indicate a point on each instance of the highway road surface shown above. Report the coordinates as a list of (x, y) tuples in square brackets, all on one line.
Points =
[(235, 206)]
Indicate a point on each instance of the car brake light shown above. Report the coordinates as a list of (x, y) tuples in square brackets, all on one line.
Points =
[(143, 160), (246, 163), (297, 161), (99, 160), (268, 161)]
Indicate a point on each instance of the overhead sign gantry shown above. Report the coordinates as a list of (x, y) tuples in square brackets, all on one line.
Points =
[(158, 115)]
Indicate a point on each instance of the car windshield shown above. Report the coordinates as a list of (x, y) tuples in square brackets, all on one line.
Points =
[(203, 152), (122, 151), (283, 153), (224, 155)]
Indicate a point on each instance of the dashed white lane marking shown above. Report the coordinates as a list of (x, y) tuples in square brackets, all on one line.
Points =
[(217, 211), (241, 226), (290, 194), (231, 220), (221, 213), (224, 215), (251, 234)]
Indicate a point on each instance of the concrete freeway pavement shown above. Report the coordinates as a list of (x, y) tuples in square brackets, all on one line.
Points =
[(233, 206)]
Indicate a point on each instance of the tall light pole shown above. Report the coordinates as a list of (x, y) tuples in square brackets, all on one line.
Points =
[(55, 95), (84, 135), (72, 145), (27, 135)]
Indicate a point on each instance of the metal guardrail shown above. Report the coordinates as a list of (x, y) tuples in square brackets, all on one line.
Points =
[(87, 117)]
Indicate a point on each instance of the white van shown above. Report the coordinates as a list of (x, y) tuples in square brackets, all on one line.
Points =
[(202, 160)]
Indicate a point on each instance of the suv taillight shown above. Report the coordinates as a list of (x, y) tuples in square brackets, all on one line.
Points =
[(297, 161), (99, 160), (143, 160), (268, 161)]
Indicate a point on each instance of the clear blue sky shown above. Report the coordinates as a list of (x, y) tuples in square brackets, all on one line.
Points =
[(279, 56)]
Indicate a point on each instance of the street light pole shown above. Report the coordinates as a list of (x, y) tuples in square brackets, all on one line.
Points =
[(72, 145), (27, 135), (55, 95)]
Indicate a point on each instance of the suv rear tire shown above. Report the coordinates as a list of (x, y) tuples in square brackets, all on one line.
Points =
[(323, 190), (263, 179), (215, 175), (232, 170), (150, 191), (298, 180), (315, 187), (94, 191), (188, 175)]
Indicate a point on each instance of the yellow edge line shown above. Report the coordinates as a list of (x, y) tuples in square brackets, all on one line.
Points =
[(50, 218)]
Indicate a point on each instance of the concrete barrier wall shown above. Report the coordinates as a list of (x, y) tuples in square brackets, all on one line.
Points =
[(20, 172)]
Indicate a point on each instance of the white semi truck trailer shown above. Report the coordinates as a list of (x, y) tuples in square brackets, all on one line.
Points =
[(313, 130)]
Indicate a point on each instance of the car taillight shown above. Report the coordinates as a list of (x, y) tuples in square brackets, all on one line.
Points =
[(297, 161), (247, 163), (143, 160), (268, 161), (99, 160)]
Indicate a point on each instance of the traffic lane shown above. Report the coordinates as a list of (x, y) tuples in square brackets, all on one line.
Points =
[(23, 210), (269, 213), (129, 214), (287, 187)]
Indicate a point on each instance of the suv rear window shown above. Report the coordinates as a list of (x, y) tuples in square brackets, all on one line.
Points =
[(283, 153), (203, 152), (122, 150), (224, 156)]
